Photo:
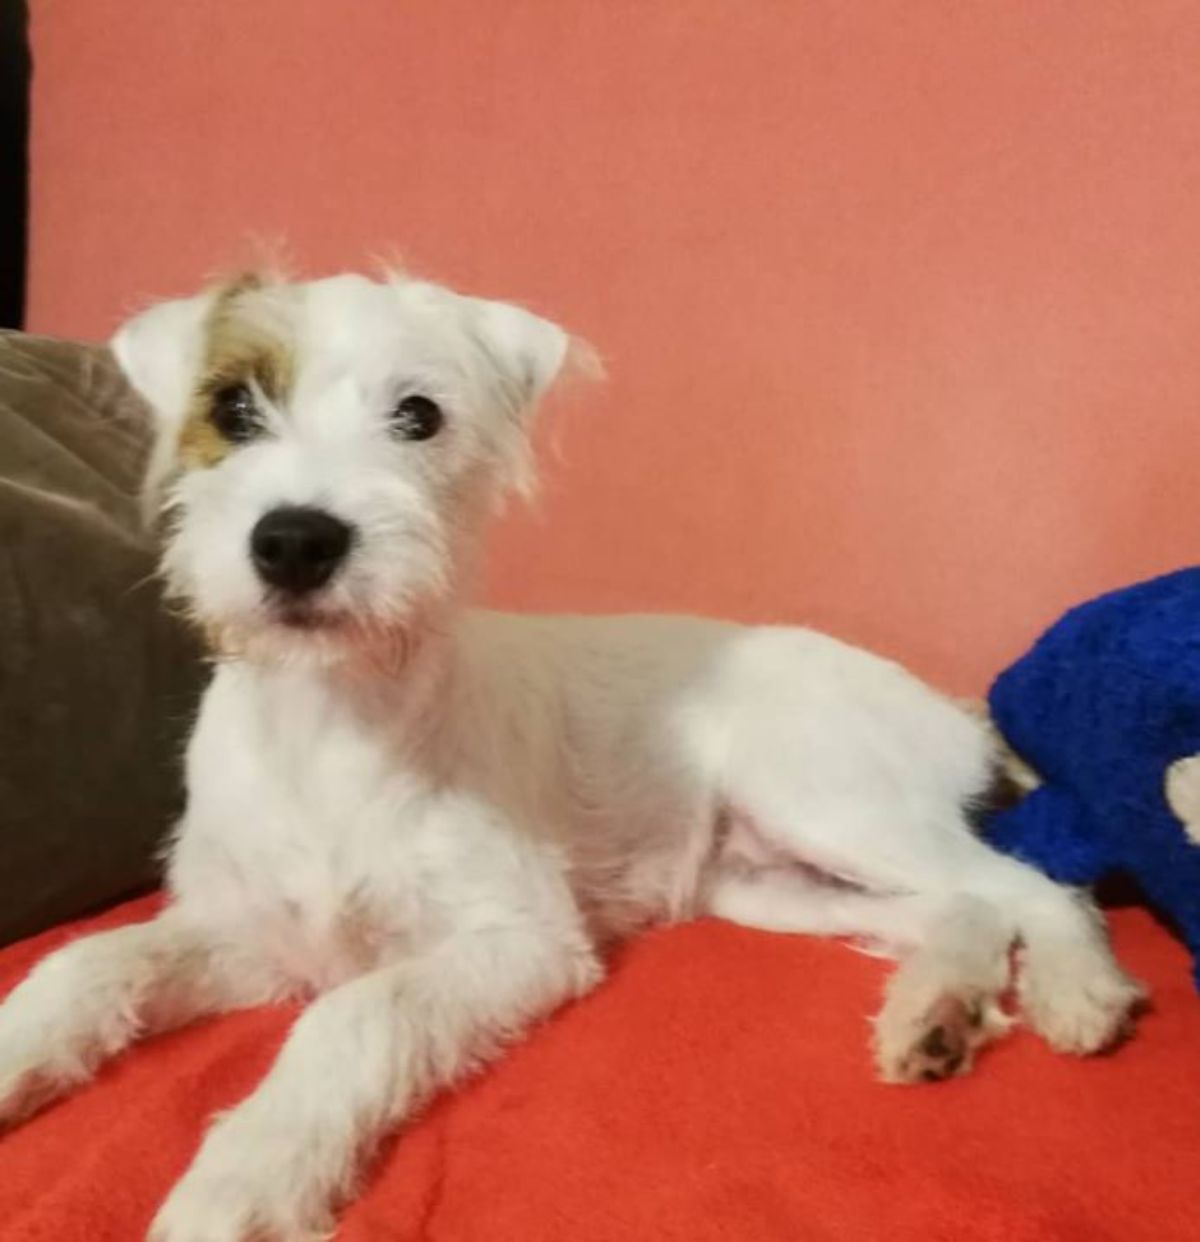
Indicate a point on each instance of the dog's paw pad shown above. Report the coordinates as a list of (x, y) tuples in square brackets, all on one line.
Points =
[(937, 1041), (942, 1046)]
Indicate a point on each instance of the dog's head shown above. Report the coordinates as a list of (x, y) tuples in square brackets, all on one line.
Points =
[(326, 451)]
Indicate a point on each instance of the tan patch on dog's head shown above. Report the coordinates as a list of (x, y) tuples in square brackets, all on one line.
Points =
[(240, 347)]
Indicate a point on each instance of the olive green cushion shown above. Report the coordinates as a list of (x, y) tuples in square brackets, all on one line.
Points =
[(97, 682)]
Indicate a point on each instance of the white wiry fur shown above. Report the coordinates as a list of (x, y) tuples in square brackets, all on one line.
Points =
[(431, 819)]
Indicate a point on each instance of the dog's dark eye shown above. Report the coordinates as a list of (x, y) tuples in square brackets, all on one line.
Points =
[(417, 418), (234, 415)]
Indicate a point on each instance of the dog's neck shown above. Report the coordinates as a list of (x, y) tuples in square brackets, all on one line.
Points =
[(397, 683)]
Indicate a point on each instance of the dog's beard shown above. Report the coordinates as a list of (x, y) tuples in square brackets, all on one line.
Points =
[(307, 636)]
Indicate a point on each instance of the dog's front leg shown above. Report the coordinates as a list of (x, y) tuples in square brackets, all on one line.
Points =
[(92, 998), (360, 1059)]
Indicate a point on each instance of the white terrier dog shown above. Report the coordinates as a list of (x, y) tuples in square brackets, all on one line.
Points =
[(432, 820)]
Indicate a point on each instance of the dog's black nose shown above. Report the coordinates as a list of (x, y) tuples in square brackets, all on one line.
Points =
[(297, 548)]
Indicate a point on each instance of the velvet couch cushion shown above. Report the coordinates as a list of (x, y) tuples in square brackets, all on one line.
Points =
[(97, 681)]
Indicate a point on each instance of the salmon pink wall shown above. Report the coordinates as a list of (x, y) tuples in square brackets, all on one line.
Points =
[(900, 300)]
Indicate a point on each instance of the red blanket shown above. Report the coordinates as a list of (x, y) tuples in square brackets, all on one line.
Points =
[(716, 1089)]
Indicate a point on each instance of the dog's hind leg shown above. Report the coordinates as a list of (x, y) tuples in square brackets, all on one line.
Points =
[(953, 908), (942, 1003), (844, 765), (791, 899), (1071, 988)]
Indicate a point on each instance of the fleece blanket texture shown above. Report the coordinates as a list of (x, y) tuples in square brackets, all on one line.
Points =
[(716, 1089)]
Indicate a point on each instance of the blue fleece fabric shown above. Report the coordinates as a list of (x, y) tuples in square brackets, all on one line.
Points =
[(1101, 706)]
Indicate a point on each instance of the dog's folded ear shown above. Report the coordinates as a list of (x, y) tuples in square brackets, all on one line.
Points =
[(159, 351), (528, 351)]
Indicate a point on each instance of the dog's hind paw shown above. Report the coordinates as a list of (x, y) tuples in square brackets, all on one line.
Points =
[(939, 1040)]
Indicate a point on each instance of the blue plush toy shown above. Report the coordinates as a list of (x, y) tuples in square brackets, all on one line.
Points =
[(1106, 709)]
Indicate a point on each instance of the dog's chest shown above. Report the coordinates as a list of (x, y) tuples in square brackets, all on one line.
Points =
[(299, 842), (313, 909), (323, 920)]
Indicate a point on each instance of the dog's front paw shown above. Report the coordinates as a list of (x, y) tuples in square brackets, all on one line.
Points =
[(26, 1088), (23, 1088), (232, 1207), (246, 1185), (29, 1077)]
